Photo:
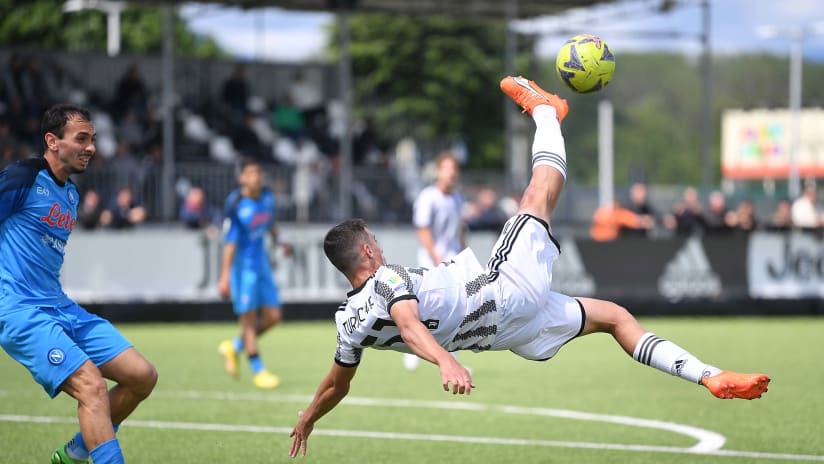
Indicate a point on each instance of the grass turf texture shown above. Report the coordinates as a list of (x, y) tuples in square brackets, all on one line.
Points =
[(589, 375)]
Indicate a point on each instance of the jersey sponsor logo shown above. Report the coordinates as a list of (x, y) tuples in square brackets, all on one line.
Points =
[(58, 218), (689, 274), (53, 242), (56, 356), (258, 219), (42, 191)]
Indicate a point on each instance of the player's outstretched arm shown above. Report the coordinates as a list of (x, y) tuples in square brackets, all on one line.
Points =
[(332, 389), (422, 343)]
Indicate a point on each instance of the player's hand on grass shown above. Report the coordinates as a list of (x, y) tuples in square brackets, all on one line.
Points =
[(300, 436), (455, 377)]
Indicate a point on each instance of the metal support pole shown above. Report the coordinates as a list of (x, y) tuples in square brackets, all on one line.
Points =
[(345, 83), (510, 112), (606, 155), (706, 113), (167, 186), (113, 31), (794, 180)]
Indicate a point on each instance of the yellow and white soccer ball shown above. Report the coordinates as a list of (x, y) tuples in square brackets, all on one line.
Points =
[(585, 63)]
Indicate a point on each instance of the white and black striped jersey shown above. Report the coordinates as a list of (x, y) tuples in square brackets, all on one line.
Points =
[(456, 302)]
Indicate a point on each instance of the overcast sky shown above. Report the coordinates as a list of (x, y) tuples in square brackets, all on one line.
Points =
[(280, 35)]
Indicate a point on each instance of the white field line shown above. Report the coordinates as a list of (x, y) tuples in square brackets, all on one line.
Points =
[(201, 426), (706, 440), (709, 443)]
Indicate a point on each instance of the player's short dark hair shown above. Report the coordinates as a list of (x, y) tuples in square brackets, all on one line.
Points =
[(55, 118), (247, 161), (342, 244)]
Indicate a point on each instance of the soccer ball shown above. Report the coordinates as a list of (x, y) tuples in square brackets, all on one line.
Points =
[(585, 63)]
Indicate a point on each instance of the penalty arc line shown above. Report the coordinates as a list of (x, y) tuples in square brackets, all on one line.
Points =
[(200, 426), (706, 440)]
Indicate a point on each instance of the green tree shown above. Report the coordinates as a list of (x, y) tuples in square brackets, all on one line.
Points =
[(43, 24), (435, 78)]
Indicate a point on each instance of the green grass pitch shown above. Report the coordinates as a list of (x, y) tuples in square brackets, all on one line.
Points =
[(198, 414)]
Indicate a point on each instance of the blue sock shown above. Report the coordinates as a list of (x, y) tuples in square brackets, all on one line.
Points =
[(238, 342), (108, 452), (255, 363), (76, 447)]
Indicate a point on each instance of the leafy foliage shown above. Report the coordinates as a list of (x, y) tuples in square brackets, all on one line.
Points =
[(43, 24), (434, 78)]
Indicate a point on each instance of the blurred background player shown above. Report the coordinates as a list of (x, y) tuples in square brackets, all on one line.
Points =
[(246, 274), (437, 218), (63, 347)]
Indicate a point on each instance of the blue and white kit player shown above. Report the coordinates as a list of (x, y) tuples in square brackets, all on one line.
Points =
[(246, 274), (64, 347)]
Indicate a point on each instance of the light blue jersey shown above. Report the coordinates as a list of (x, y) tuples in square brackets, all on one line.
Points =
[(40, 327), (249, 219), (37, 214)]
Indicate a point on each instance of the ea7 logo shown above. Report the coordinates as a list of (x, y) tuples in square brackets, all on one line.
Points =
[(42, 191)]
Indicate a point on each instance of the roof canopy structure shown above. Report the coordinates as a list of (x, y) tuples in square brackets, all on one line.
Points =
[(497, 9)]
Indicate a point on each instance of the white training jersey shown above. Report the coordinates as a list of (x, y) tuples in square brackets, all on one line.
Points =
[(456, 302), (441, 213)]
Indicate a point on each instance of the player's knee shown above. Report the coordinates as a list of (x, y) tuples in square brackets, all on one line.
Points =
[(148, 379), (142, 379)]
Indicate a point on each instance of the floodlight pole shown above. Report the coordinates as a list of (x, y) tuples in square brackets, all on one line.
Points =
[(794, 179), (345, 87), (706, 107), (513, 180), (167, 185)]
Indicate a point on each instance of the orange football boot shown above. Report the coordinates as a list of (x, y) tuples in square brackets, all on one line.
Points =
[(728, 385), (527, 94)]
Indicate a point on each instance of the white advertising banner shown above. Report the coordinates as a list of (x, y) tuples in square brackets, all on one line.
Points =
[(756, 144), (785, 266)]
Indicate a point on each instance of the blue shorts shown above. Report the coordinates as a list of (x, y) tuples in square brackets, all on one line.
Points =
[(253, 289), (52, 343)]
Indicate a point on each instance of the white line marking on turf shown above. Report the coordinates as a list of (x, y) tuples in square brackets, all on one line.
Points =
[(707, 440), (201, 426)]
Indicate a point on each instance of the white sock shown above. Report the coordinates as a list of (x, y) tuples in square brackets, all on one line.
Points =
[(671, 358), (548, 145)]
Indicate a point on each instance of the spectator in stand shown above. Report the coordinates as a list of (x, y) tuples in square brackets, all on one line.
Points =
[(9, 146), (639, 204), (287, 119), (125, 168), (90, 211), (196, 213), (743, 218), (235, 95), (246, 141), (782, 217), (805, 214), (484, 213), (718, 219), (131, 94), (610, 222), (305, 95), (124, 212), (130, 130), (686, 217)]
